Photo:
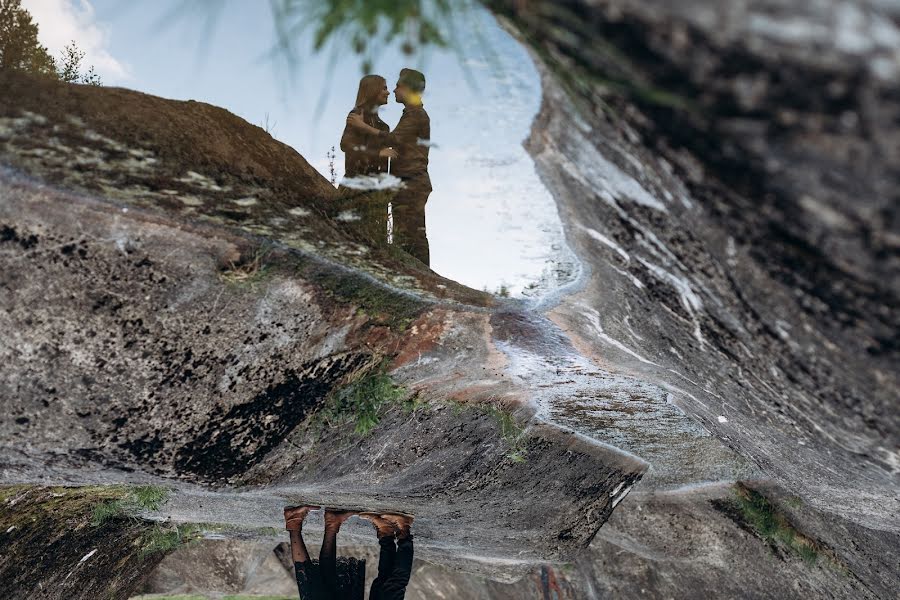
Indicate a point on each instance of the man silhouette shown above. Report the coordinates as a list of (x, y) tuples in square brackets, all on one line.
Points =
[(411, 139), (395, 559)]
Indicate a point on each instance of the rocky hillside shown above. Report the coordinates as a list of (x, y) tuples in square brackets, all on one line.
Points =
[(186, 313), (201, 323)]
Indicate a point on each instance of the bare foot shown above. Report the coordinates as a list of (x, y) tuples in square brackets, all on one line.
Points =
[(335, 518), (401, 523), (383, 527), (295, 515)]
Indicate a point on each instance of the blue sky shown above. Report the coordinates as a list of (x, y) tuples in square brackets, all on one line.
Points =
[(490, 220)]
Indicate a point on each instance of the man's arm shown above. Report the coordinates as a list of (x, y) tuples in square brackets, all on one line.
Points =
[(405, 133)]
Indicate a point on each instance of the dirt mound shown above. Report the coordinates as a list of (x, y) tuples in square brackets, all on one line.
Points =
[(210, 139)]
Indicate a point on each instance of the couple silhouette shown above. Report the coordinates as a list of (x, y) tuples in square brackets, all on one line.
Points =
[(329, 581), (372, 151)]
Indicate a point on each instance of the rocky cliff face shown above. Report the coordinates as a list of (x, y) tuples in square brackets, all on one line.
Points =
[(199, 322), (728, 172), (725, 172), (743, 245)]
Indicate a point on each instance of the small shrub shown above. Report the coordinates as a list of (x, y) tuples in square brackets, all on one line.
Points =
[(69, 67), (363, 402), (332, 173)]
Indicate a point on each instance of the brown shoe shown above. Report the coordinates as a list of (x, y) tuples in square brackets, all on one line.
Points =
[(336, 517), (401, 523), (295, 515), (383, 527)]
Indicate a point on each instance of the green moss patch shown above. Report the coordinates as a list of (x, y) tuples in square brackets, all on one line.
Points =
[(386, 306), (755, 513)]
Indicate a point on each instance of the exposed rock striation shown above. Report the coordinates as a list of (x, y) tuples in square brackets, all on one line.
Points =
[(734, 195)]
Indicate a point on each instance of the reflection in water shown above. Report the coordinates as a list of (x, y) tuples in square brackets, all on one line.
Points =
[(373, 150), (491, 222), (345, 579)]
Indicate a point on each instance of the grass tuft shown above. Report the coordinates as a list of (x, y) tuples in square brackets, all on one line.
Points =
[(364, 401), (134, 500), (106, 510), (247, 272), (511, 432), (166, 538), (149, 497)]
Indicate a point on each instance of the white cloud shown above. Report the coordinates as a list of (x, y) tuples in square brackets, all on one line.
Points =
[(62, 21)]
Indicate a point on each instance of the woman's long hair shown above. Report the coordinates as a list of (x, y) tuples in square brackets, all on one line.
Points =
[(370, 87)]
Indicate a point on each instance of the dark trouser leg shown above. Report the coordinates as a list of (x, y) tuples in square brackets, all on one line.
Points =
[(395, 586), (409, 218), (308, 584), (328, 561), (385, 566)]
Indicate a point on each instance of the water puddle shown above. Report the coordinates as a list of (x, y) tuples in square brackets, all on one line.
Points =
[(491, 224)]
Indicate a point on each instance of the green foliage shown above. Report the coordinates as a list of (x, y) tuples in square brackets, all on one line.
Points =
[(413, 403), (166, 538), (69, 68), (106, 510), (21, 50), (772, 526), (19, 46), (365, 26), (510, 431), (149, 497), (135, 499), (363, 402), (393, 308)]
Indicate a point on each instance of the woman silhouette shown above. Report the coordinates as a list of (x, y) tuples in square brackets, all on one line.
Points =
[(364, 155)]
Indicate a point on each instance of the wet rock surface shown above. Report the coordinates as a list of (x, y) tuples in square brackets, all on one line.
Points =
[(725, 172), (160, 341), (770, 323), (733, 193), (694, 542)]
